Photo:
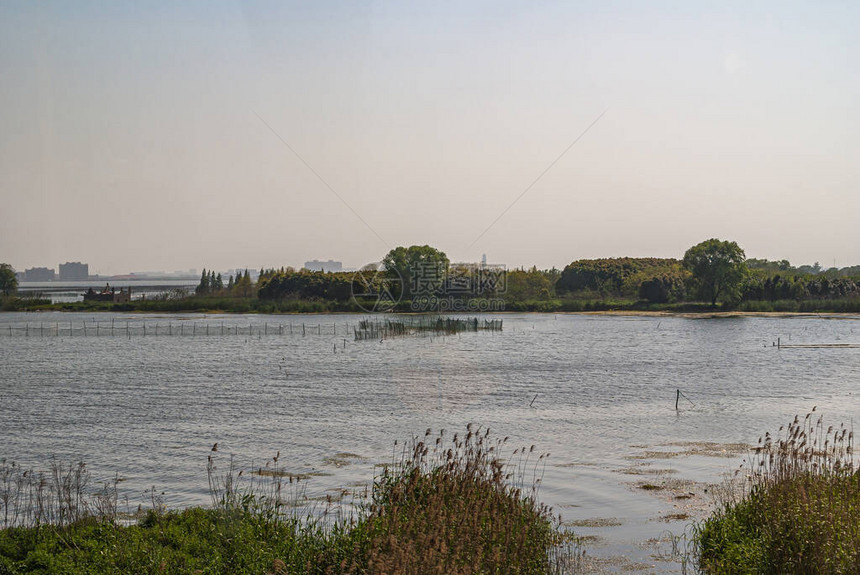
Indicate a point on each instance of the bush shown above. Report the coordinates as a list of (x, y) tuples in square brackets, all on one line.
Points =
[(454, 509), (798, 512), (458, 510)]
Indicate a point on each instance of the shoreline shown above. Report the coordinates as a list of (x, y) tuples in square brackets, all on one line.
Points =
[(620, 313)]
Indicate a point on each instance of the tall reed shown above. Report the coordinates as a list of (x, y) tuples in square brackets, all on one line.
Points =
[(796, 507), (59, 496), (457, 506)]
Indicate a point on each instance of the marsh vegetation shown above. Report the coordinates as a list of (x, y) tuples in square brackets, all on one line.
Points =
[(793, 507), (455, 505)]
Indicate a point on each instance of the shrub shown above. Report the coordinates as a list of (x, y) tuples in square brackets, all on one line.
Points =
[(455, 509), (798, 511)]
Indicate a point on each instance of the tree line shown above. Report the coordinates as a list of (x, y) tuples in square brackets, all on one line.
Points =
[(713, 272)]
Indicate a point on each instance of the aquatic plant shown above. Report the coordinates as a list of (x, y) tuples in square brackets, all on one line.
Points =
[(456, 506), (453, 506), (792, 508)]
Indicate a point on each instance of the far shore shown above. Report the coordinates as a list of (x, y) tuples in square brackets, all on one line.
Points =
[(715, 314)]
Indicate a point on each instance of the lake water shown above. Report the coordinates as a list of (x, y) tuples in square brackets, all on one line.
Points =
[(597, 392)]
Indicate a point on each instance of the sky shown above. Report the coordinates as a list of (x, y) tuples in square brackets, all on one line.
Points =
[(140, 136)]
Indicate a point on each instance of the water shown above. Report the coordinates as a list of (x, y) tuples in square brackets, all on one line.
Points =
[(597, 392), (72, 291)]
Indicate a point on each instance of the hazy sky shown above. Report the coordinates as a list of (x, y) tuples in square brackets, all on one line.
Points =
[(133, 135)]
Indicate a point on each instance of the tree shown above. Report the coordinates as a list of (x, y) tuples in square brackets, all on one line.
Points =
[(663, 288), (528, 285), (422, 269), (203, 287), (718, 267), (8, 281), (616, 276), (242, 287)]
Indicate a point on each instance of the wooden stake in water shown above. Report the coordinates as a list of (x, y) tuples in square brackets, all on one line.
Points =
[(677, 398)]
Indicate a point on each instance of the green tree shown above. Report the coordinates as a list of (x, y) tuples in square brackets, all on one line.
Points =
[(203, 287), (243, 287), (718, 267), (522, 285), (610, 276), (422, 269), (663, 288), (8, 281)]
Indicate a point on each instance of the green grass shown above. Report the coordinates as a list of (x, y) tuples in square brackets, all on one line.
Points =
[(799, 511), (451, 506), (835, 305), (190, 541)]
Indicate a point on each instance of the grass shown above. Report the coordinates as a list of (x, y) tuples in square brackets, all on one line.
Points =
[(833, 305), (798, 510), (451, 506)]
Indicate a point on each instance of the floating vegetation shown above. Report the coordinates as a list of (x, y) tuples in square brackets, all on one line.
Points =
[(386, 328), (341, 459), (674, 517), (264, 472), (595, 522), (645, 470), (702, 448), (592, 541), (614, 564)]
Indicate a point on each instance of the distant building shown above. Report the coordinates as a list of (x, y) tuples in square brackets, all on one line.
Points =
[(329, 266), (39, 275), (74, 272)]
